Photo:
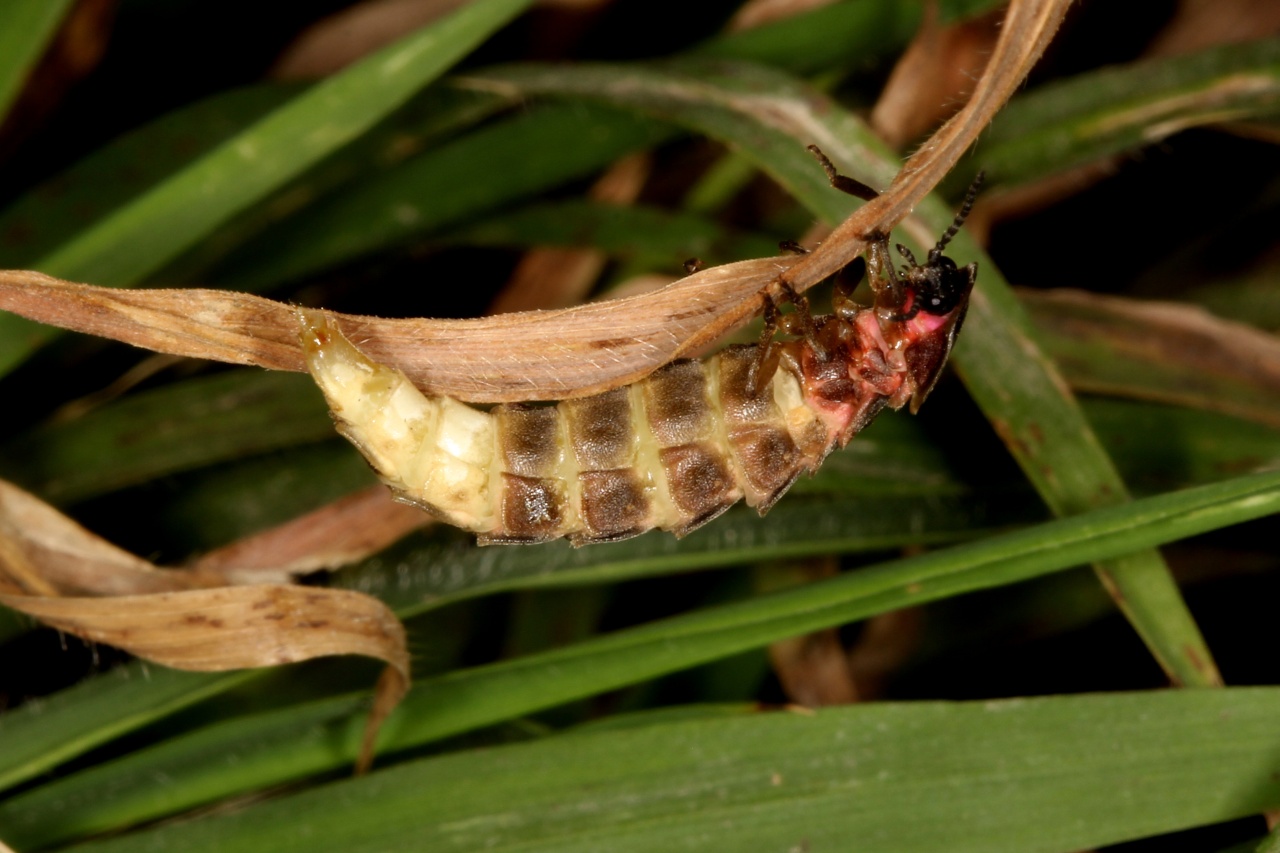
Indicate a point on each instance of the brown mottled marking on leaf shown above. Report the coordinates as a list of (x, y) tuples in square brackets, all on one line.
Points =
[(531, 509), (600, 430), (614, 505), (528, 440), (700, 481), (675, 400), (610, 343)]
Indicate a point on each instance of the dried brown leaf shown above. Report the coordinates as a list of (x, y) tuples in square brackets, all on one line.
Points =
[(1199, 24), (933, 76), (334, 535), (69, 579), (814, 670), (1026, 31), (757, 13), (525, 356), (42, 552), (539, 355), (337, 41)]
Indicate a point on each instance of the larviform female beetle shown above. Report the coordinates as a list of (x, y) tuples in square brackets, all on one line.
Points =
[(675, 449)]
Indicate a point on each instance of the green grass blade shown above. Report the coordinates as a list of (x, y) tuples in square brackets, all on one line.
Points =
[(440, 187), (417, 576), (187, 425), (140, 238), (1096, 115), (26, 26), (54, 212), (463, 700), (1022, 393), (647, 235), (272, 749), (1056, 773), (41, 734)]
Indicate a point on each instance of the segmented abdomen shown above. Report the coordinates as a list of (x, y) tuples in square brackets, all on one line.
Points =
[(671, 451)]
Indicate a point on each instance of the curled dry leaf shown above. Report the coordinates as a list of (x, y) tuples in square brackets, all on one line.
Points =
[(508, 357), (538, 355), (337, 534), (42, 552), (58, 572), (1160, 351)]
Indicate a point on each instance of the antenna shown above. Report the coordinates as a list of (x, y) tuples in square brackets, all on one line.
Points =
[(936, 251)]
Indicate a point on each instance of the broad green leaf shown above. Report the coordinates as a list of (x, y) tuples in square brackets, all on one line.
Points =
[(270, 749)]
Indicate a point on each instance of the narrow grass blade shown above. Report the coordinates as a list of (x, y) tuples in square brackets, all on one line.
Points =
[(1027, 401), (637, 233), (26, 26), (1103, 113), (451, 183), (42, 734), (1057, 773), (272, 749), (188, 424), (54, 212), (151, 230)]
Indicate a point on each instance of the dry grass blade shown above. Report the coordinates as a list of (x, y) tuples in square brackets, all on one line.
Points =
[(334, 535), (537, 355), (1161, 351), (933, 75), (42, 552), (1027, 30), (530, 355), (69, 579)]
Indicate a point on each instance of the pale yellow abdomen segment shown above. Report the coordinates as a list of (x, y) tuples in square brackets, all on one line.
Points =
[(433, 451)]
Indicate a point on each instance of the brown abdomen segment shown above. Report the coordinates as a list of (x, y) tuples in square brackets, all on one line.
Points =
[(757, 430), (673, 451)]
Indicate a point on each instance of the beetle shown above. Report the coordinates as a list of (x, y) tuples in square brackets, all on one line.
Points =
[(677, 448)]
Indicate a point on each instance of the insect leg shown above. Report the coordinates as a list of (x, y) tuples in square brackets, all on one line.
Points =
[(844, 183), (846, 282), (765, 364)]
